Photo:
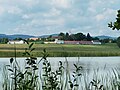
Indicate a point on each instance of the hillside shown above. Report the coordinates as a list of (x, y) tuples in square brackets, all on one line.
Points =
[(45, 36), (105, 37)]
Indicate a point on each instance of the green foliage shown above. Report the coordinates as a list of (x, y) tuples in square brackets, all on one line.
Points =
[(61, 36), (89, 38), (27, 79), (77, 37), (74, 84), (96, 84), (116, 24), (51, 79), (18, 39), (118, 42), (50, 38), (4, 40)]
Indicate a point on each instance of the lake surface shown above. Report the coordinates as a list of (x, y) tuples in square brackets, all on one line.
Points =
[(86, 62), (89, 64)]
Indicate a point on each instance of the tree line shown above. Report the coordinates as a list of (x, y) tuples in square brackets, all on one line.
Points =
[(76, 37), (64, 36), (81, 36), (5, 40)]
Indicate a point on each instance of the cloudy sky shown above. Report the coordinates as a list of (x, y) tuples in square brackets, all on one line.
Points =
[(39, 17)]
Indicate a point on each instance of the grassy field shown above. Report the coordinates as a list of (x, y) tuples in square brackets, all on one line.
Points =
[(62, 50)]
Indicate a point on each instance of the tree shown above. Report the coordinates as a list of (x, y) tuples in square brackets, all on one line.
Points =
[(116, 24), (95, 38), (89, 38), (62, 36), (71, 37), (80, 36), (67, 36), (50, 38), (18, 38), (4, 40)]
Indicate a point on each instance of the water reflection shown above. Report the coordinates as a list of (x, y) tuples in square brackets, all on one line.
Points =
[(88, 63)]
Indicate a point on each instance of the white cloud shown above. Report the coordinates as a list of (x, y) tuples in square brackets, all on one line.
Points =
[(25, 16), (45, 23), (61, 3), (31, 16), (99, 17), (106, 14), (91, 9), (40, 26), (93, 5), (58, 21), (31, 3), (52, 13), (14, 10), (1, 10)]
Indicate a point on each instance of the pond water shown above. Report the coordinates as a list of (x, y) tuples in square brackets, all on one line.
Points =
[(89, 64)]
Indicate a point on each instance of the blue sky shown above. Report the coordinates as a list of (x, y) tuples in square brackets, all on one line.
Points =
[(39, 17)]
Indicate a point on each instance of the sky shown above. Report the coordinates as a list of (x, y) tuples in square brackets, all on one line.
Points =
[(43, 17)]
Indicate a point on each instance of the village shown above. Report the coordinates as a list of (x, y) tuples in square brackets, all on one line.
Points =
[(56, 41), (61, 38)]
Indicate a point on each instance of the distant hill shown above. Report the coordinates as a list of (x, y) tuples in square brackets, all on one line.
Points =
[(15, 36), (23, 36), (45, 36), (105, 37)]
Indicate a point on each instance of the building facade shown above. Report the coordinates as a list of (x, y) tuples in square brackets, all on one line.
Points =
[(16, 42)]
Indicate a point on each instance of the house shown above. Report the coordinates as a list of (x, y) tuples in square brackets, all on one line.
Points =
[(71, 42), (16, 42), (97, 42), (59, 41), (55, 42), (86, 42), (34, 39), (78, 42)]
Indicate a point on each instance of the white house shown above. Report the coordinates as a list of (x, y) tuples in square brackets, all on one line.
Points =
[(59, 41), (96, 42), (16, 42), (35, 38)]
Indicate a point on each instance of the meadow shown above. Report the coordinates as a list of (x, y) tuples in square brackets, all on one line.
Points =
[(62, 50)]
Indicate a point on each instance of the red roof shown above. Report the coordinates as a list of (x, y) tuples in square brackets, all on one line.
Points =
[(78, 42)]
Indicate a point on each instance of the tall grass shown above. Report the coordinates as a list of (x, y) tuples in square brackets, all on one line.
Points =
[(31, 77)]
